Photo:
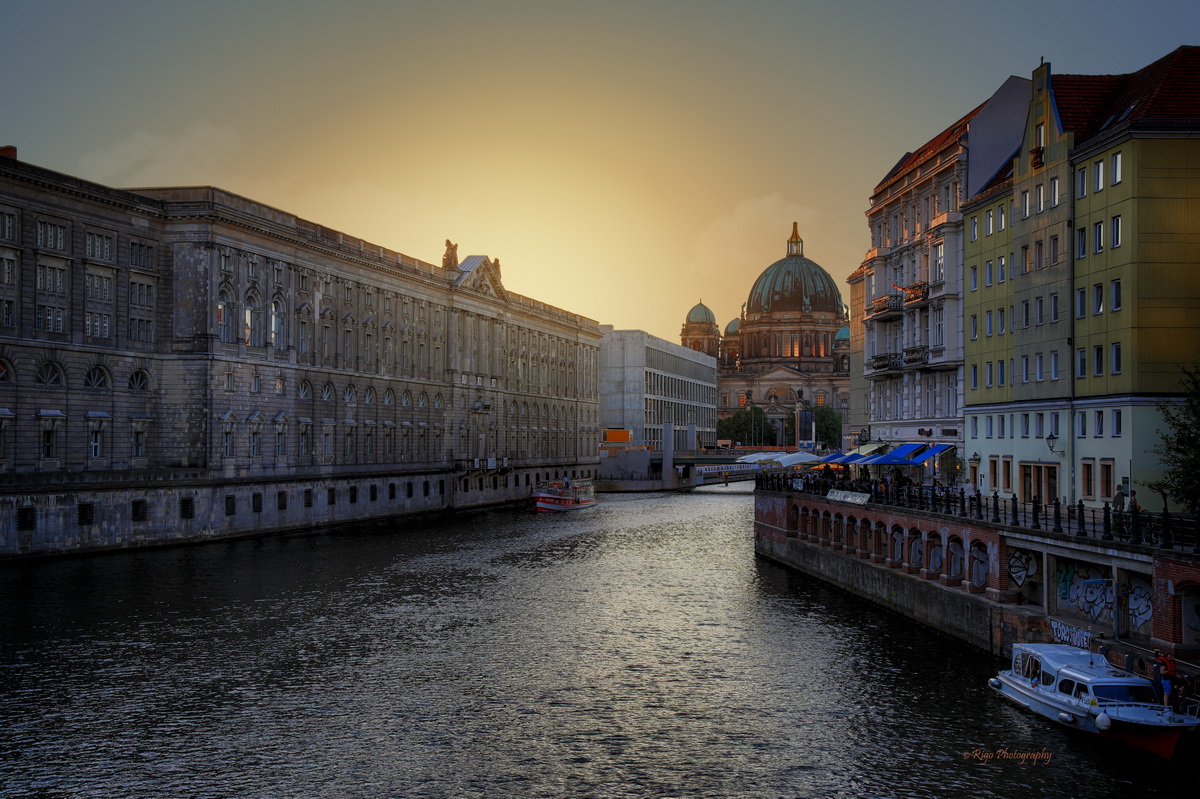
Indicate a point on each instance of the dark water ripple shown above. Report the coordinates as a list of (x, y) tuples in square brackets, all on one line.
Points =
[(636, 651)]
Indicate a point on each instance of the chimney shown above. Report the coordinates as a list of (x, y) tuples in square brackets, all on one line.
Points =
[(9, 151)]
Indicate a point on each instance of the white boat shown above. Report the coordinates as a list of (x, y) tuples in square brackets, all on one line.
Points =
[(564, 494), (1082, 690)]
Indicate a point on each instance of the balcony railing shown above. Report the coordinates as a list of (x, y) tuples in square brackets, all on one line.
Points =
[(917, 292), (916, 356), (888, 361), (885, 306)]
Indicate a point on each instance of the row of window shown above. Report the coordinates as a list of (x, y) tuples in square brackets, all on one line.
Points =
[(97, 377), (99, 246), (1040, 425), (995, 373)]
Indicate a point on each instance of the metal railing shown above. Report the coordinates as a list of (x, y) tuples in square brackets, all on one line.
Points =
[(1134, 526)]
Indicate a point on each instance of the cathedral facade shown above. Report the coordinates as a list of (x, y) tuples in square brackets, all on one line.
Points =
[(788, 350)]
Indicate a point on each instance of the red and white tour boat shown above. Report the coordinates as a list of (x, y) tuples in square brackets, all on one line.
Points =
[(564, 494)]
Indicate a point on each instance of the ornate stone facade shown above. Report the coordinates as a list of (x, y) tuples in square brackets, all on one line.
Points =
[(184, 363), (789, 347)]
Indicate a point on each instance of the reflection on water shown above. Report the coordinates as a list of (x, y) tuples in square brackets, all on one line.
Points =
[(638, 649)]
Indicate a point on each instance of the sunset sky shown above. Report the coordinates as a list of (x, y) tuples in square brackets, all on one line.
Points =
[(623, 160)]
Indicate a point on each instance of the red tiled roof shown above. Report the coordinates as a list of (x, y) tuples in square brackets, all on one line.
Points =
[(1167, 89), (935, 145)]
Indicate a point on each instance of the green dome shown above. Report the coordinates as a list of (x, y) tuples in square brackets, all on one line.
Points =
[(732, 327), (701, 314), (842, 335), (794, 283)]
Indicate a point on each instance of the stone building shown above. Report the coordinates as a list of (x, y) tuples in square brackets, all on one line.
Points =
[(906, 306), (790, 346), (185, 363)]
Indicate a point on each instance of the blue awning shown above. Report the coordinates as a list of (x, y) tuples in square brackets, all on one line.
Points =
[(898, 456), (932, 452)]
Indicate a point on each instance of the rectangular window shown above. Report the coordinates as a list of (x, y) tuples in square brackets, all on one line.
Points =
[(95, 444), (1000, 321), (1000, 425), (1116, 422), (974, 376), (1054, 192), (1115, 232), (1114, 302), (974, 326), (974, 228), (1025, 313), (1055, 250), (1098, 172), (988, 223), (1039, 425), (1025, 259), (974, 278), (1116, 358), (1024, 368), (987, 323), (1081, 362), (988, 372), (987, 273), (1000, 270), (1082, 426), (1040, 198), (1000, 372), (1041, 367), (988, 427), (1098, 359), (1039, 250), (1025, 204), (1053, 307), (1000, 218), (1040, 311), (1024, 425), (1098, 298), (1080, 243), (1115, 177), (1081, 182), (1098, 236), (1099, 431), (1080, 303)]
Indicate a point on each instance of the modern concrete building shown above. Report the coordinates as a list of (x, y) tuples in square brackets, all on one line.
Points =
[(648, 385), (906, 312), (1081, 311), (185, 363)]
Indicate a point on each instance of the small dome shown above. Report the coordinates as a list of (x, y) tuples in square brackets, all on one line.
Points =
[(732, 327), (842, 335), (794, 283), (701, 314)]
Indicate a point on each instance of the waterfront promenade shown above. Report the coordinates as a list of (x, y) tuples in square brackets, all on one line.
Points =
[(993, 573)]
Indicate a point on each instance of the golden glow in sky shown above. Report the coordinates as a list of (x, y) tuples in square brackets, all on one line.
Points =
[(623, 160)]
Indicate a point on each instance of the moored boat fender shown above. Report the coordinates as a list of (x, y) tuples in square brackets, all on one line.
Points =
[(994, 683), (1103, 722), (1066, 718)]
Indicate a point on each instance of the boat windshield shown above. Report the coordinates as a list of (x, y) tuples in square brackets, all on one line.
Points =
[(1125, 693)]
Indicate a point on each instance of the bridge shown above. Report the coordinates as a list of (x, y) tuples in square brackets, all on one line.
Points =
[(643, 470)]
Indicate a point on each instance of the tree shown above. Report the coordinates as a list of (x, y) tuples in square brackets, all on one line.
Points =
[(1180, 446), (829, 427), (749, 427)]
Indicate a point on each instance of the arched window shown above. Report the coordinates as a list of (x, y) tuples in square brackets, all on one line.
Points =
[(253, 333), (305, 390), (139, 380), (388, 397), (327, 391), (369, 395), (50, 375), (422, 400), (350, 394), (277, 337), (6, 373), (96, 377), (406, 399), (224, 322), (437, 401)]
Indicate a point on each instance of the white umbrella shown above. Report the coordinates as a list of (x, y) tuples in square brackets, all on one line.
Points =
[(792, 458)]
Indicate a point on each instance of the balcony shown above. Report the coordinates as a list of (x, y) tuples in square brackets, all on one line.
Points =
[(916, 356), (885, 307), (916, 294), (886, 364)]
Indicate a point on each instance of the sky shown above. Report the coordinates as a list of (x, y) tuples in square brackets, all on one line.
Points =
[(623, 160)]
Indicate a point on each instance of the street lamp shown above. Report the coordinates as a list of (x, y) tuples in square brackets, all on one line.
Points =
[(1051, 440)]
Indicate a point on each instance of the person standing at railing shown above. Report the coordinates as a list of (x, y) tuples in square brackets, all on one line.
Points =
[(1119, 499)]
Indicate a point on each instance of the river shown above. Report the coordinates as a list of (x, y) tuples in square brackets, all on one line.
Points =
[(635, 650)]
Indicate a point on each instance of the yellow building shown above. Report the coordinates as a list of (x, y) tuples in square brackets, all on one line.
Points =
[(1080, 312)]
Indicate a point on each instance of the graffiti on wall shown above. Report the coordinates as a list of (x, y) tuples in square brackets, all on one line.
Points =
[(1077, 592), (1066, 634), (1141, 605), (1022, 565)]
